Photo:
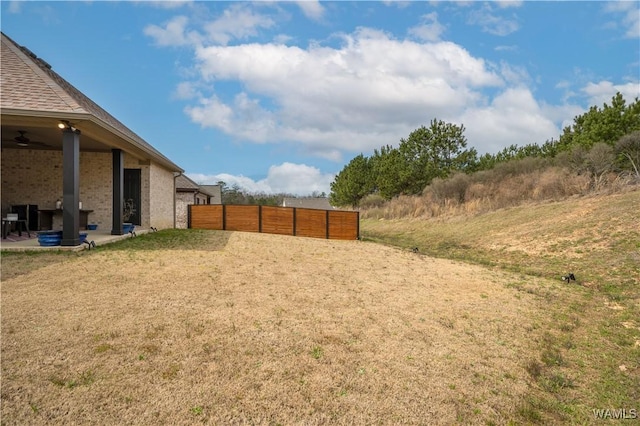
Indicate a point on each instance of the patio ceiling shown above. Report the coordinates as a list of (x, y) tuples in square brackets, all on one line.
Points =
[(44, 134), (44, 138)]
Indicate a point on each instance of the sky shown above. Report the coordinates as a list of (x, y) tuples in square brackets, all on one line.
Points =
[(277, 97)]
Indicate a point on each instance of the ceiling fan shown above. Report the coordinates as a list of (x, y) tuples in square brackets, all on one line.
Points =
[(22, 141)]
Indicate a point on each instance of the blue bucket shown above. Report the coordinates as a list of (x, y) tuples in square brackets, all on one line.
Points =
[(92, 227)]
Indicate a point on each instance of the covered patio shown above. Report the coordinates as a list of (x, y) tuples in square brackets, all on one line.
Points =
[(68, 163), (94, 239)]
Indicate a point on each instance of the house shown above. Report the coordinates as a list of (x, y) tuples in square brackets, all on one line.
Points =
[(67, 161), (215, 193), (321, 203), (188, 192)]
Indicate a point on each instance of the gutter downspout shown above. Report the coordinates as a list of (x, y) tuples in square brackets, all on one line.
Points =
[(176, 175)]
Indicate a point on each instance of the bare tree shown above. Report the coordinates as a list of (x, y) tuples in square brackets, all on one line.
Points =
[(599, 161), (628, 147)]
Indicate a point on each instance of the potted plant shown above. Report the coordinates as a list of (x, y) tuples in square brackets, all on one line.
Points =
[(128, 211)]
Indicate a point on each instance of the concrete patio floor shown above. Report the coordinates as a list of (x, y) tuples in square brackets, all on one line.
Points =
[(98, 237)]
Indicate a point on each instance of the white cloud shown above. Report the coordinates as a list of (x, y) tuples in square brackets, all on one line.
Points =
[(371, 89), (212, 113), (167, 4), (430, 29), (400, 4), (286, 178), (244, 118), (173, 33), (245, 183), (631, 18), (504, 48), (185, 90), (330, 100), (513, 117), (602, 91), (503, 4), (492, 23), (562, 115), (282, 39), (236, 23), (298, 179), (311, 8), (513, 74), (460, 3), (15, 7)]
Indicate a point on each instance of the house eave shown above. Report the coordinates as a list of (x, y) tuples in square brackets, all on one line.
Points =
[(89, 125)]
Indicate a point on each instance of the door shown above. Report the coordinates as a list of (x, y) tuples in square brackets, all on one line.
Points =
[(132, 196)]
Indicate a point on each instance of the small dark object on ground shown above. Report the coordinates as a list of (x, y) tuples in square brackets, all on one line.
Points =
[(415, 249), (569, 277), (154, 229)]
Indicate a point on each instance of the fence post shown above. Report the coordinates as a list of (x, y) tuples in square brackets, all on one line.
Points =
[(189, 216), (224, 217), (259, 217), (294, 221), (326, 231)]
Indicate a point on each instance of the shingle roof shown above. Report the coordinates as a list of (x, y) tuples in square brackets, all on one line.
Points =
[(25, 85), (320, 203), (28, 83), (184, 183), (214, 191)]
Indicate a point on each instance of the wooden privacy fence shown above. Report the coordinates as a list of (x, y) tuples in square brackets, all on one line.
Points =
[(331, 224)]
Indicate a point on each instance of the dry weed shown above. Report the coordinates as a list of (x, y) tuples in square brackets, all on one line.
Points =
[(494, 189), (266, 329)]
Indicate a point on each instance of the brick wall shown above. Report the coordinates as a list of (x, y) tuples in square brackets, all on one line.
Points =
[(96, 183), (183, 199), (30, 177), (35, 177), (162, 191)]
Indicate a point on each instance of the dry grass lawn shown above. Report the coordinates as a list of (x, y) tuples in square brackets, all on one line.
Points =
[(247, 328)]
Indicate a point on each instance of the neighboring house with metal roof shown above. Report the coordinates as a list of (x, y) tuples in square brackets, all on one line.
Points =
[(320, 203), (59, 145), (188, 192)]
